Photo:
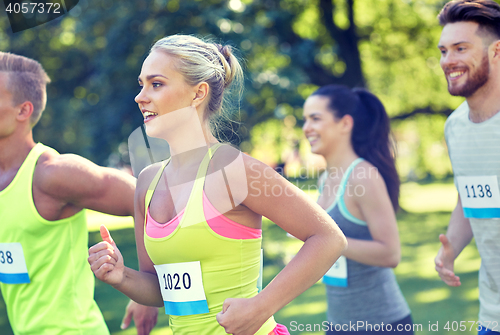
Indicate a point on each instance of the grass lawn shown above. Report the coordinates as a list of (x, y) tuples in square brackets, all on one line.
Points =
[(426, 211)]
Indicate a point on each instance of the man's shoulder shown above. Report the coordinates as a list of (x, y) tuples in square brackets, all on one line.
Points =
[(51, 162), (461, 112), (458, 116), (54, 170)]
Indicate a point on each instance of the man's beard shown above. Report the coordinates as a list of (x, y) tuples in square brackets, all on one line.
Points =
[(475, 82)]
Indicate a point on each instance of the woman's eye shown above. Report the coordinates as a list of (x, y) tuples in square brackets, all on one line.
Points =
[(156, 85)]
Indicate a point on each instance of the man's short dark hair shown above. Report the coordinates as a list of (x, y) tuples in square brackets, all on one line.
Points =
[(486, 13)]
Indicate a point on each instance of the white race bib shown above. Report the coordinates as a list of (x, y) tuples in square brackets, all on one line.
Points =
[(337, 275), (182, 289), (13, 268), (480, 196)]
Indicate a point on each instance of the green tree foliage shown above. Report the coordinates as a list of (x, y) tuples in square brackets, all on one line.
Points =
[(289, 48)]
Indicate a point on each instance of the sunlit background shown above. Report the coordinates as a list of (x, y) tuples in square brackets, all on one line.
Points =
[(94, 54)]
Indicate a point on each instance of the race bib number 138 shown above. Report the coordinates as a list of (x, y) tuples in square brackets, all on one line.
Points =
[(12, 264)]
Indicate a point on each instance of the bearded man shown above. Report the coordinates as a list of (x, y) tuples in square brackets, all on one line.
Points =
[(470, 58)]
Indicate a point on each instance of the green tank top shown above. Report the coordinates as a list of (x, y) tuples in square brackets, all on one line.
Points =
[(229, 267), (56, 295)]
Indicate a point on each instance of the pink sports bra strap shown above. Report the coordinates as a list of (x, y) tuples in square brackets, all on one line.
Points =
[(151, 189)]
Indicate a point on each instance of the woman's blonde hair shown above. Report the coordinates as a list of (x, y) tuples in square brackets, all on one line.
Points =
[(204, 61)]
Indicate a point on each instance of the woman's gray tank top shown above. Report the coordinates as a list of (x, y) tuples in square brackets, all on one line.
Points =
[(372, 294)]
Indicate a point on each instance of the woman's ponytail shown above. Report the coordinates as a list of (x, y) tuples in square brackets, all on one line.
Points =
[(371, 133), (371, 139)]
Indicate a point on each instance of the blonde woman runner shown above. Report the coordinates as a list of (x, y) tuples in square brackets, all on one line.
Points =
[(198, 215)]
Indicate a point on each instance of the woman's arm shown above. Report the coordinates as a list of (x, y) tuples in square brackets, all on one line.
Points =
[(376, 210), (272, 196), (107, 262)]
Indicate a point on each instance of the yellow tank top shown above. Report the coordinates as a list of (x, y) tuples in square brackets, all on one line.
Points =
[(55, 294), (229, 267)]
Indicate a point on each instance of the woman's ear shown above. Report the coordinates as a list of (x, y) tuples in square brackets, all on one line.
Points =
[(201, 93), (347, 123)]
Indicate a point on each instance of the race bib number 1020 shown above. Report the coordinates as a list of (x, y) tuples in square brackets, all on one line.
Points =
[(13, 268), (182, 289), (480, 196)]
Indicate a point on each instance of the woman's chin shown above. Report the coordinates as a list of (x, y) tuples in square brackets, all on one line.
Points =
[(315, 150), (153, 131)]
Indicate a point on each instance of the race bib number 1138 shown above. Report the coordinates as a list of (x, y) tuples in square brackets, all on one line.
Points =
[(480, 196)]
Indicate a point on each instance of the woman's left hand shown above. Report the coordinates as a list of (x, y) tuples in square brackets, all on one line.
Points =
[(241, 316)]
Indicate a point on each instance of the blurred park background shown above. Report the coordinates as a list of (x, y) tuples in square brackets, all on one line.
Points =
[(94, 54)]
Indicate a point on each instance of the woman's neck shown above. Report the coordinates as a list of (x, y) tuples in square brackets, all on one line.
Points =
[(189, 139), (340, 159), (190, 148)]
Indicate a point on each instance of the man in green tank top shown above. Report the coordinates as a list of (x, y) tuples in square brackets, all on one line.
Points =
[(45, 280)]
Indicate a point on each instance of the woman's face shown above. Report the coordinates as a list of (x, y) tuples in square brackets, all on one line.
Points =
[(321, 128), (163, 87)]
